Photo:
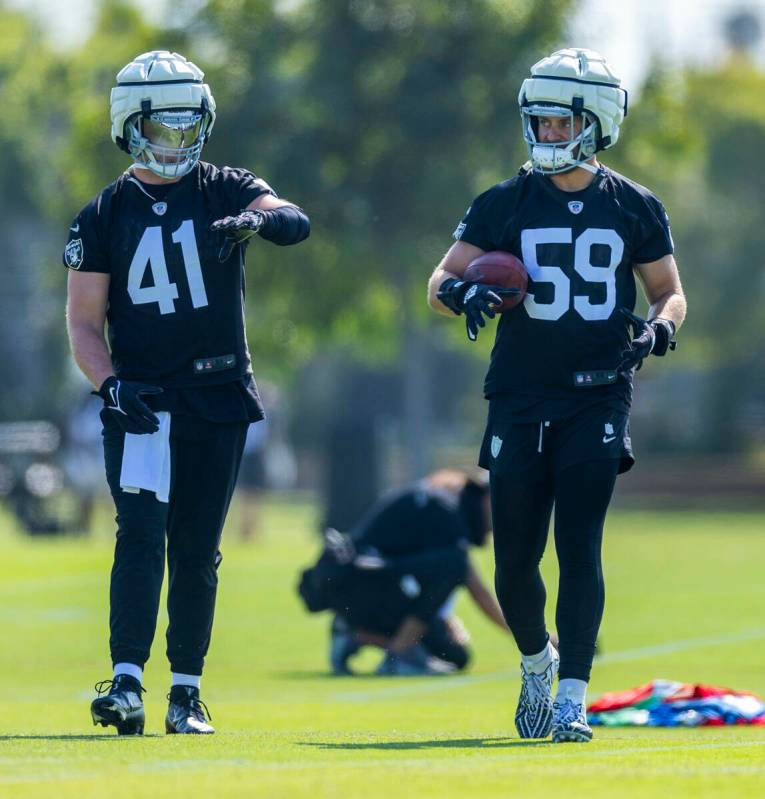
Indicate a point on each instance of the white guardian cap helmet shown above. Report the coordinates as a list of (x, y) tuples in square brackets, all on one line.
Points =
[(162, 112), (572, 83)]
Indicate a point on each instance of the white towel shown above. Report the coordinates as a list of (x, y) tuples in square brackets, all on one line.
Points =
[(146, 461)]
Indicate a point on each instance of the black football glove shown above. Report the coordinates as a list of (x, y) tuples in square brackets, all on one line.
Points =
[(237, 229), (649, 338), (474, 300), (123, 399)]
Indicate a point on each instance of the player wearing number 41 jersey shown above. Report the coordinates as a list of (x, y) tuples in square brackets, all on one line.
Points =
[(560, 380), (159, 256)]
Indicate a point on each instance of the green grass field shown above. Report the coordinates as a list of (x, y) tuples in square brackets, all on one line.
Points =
[(685, 600)]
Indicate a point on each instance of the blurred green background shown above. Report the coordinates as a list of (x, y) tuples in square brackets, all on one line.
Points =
[(383, 119)]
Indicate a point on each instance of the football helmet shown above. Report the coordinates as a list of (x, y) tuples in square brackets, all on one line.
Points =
[(162, 112), (571, 83)]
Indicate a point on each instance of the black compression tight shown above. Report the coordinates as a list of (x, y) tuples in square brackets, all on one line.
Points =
[(521, 506)]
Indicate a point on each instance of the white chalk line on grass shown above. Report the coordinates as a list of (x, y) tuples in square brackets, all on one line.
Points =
[(434, 684), (450, 762)]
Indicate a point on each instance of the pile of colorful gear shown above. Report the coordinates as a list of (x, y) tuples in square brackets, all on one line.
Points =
[(663, 703)]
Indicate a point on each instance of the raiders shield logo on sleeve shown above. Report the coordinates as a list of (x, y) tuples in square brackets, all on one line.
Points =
[(73, 254)]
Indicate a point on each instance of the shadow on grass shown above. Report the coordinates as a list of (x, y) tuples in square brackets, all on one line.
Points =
[(92, 737), (452, 743)]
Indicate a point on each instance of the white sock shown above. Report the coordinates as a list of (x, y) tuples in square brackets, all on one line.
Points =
[(194, 680), (575, 690), (539, 662), (136, 672)]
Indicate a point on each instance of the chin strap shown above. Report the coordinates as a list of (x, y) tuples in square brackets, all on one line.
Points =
[(589, 167), (583, 164)]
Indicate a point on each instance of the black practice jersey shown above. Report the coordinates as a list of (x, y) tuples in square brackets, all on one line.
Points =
[(176, 314), (579, 249), (414, 519)]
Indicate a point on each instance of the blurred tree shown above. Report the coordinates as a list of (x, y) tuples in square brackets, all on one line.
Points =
[(28, 78), (56, 155), (383, 118), (695, 138), (87, 159)]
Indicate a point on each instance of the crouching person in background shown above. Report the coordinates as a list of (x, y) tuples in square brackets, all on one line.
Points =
[(391, 582)]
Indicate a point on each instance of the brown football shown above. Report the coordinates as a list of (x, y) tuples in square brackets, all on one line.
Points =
[(499, 268)]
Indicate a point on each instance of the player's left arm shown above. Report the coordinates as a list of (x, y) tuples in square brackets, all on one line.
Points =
[(282, 222), (272, 218), (661, 283), (484, 598), (663, 289), (267, 202)]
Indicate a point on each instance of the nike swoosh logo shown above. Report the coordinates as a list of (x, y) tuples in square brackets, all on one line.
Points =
[(608, 439), (75, 228)]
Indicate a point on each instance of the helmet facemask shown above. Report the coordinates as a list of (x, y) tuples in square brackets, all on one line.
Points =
[(552, 158), (167, 142)]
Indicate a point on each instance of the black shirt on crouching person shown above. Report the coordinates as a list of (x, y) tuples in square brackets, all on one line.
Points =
[(391, 580)]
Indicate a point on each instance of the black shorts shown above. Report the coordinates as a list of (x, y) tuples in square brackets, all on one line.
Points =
[(594, 433), (417, 585)]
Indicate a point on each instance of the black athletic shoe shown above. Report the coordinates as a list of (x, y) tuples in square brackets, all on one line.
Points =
[(119, 703), (413, 662), (343, 645), (186, 712)]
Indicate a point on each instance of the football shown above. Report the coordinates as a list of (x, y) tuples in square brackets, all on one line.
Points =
[(499, 268)]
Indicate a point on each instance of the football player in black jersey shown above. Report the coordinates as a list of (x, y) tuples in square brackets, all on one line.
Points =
[(159, 256), (560, 380), (392, 580)]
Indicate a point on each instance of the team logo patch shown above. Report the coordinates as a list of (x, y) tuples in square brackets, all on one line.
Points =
[(576, 206), (459, 231), (496, 446), (74, 254), (159, 208)]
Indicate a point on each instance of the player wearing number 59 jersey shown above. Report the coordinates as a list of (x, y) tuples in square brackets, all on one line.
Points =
[(159, 256), (580, 248), (560, 380)]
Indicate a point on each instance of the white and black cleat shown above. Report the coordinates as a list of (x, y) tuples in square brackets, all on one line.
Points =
[(186, 712), (570, 723), (119, 705), (534, 714)]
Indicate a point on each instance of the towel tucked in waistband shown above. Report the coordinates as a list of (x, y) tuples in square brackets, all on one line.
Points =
[(146, 461)]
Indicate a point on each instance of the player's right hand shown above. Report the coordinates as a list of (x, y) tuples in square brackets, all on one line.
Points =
[(237, 229), (123, 399), (475, 300)]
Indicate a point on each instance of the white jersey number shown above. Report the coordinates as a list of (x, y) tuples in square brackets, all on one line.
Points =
[(151, 253), (531, 239)]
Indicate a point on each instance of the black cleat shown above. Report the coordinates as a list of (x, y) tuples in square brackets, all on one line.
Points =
[(186, 712), (121, 707)]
